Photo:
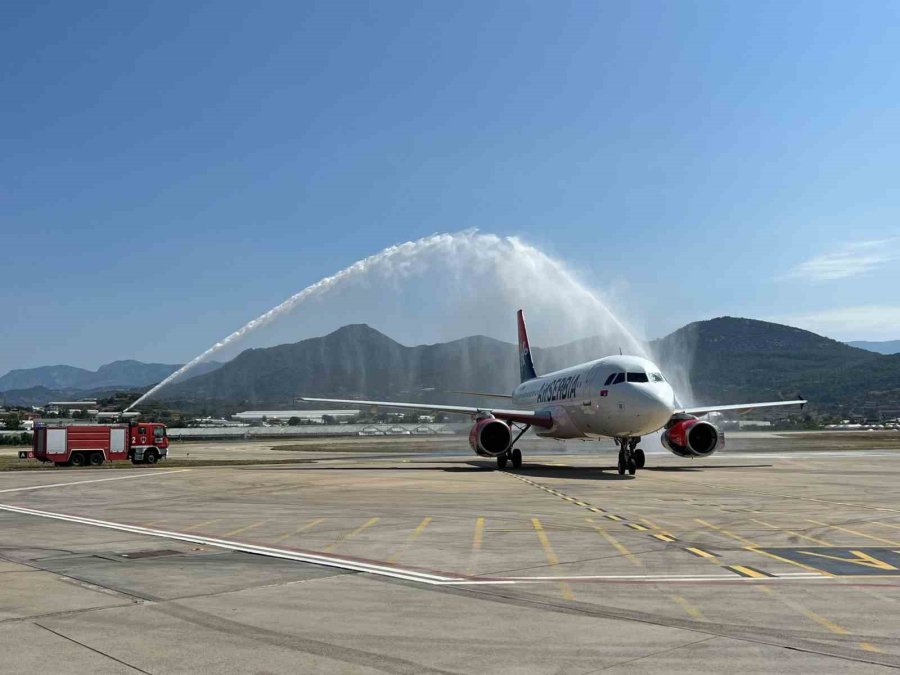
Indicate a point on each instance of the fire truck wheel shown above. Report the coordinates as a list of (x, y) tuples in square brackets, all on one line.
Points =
[(96, 458), (151, 456), (77, 459)]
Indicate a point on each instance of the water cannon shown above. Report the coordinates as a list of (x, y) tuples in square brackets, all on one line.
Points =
[(117, 416)]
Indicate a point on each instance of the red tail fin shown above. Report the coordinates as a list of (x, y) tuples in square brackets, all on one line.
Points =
[(526, 363)]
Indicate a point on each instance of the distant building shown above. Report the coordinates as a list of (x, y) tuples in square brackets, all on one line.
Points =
[(314, 416)]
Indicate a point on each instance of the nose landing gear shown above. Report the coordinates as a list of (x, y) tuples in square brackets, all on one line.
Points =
[(631, 457)]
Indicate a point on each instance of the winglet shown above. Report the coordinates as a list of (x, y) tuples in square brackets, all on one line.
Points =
[(526, 363)]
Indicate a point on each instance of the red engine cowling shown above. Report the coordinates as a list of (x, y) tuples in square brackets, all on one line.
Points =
[(490, 437), (692, 438)]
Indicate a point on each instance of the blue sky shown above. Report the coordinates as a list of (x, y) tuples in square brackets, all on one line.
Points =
[(168, 171)]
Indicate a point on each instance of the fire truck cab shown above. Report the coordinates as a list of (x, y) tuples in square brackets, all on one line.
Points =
[(93, 444)]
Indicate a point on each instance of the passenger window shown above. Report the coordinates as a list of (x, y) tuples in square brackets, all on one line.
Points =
[(637, 377), (609, 380), (620, 377)]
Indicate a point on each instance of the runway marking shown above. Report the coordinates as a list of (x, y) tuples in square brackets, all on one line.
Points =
[(615, 543), (369, 523), (662, 537), (412, 537), (821, 542), (311, 524), (756, 549), (727, 533), (243, 529), (747, 571), (635, 526), (479, 534), (830, 625), (699, 552), (152, 474), (564, 588), (856, 532), (429, 577), (688, 607), (201, 524)]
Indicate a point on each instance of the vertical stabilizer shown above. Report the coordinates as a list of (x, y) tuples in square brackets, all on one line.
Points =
[(526, 364)]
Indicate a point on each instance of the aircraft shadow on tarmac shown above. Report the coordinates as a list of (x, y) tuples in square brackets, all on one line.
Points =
[(530, 470)]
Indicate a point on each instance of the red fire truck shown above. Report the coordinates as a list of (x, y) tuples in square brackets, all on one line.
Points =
[(93, 444)]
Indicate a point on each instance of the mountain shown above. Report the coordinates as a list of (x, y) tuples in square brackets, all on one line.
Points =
[(728, 359), (886, 347), (735, 360), (116, 374)]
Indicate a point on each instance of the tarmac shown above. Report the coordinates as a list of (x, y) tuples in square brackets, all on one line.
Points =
[(781, 553)]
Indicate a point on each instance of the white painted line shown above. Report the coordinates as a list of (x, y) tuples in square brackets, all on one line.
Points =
[(392, 571), (300, 556), (96, 480)]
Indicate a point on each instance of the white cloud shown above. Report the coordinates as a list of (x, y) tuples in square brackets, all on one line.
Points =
[(865, 322), (852, 260)]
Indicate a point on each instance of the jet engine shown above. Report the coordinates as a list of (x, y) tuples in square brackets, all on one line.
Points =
[(692, 437), (490, 437)]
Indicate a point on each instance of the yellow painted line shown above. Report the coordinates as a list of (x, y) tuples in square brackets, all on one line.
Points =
[(688, 607), (635, 526), (198, 525), (663, 537), (879, 522), (412, 537), (311, 524), (612, 517), (727, 533), (809, 568), (620, 547), (569, 499), (856, 532), (581, 503), (243, 529), (595, 509), (748, 572), (155, 522), (479, 534), (350, 535), (700, 552), (826, 623), (565, 588), (794, 533)]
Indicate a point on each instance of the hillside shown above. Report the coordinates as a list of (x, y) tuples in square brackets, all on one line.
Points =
[(885, 347), (731, 360), (79, 381)]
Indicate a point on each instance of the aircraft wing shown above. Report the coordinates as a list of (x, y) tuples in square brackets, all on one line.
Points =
[(522, 416), (738, 407)]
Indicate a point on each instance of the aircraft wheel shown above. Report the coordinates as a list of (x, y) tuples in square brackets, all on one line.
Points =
[(516, 458), (501, 461), (632, 467), (621, 464), (639, 458)]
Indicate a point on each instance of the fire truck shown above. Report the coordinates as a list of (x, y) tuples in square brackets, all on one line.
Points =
[(93, 444)]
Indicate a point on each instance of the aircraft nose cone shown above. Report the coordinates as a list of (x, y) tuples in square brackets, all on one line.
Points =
[(655, 403)]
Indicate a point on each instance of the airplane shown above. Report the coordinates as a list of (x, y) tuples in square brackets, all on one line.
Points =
[(619, 397)]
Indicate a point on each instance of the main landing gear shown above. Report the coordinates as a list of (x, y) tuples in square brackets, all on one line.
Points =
[(513, 456), (631, 457)]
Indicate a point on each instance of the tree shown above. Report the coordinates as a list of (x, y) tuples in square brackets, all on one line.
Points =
[(294, 421), (12, 422), (328, 419)]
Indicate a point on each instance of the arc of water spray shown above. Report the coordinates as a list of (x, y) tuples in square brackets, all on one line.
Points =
[(402, 252)]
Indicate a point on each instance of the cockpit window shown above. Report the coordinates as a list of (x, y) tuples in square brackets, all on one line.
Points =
[(620, 377), (609, 380), (638, 377), (657, 377)]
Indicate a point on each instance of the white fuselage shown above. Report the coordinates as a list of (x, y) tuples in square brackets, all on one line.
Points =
[(614, 396)]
